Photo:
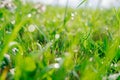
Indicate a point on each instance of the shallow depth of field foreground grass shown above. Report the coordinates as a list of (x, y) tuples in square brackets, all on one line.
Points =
[(59, 43)]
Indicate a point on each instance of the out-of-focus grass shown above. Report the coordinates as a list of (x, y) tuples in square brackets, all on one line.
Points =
[(83, 44)]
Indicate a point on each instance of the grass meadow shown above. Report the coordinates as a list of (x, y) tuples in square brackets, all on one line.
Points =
[(58, 43)]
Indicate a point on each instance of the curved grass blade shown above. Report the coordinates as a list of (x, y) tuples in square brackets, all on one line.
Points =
[(11, 38)]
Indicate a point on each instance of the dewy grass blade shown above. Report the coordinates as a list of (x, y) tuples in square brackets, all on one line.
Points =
[(11, 38), (18, 45), (65, 44), (81, 3), (64, 22)]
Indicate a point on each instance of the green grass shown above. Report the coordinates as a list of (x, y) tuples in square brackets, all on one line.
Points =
[(67, 44)]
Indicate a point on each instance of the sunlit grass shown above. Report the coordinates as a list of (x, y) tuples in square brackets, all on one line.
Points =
[(59, 43)]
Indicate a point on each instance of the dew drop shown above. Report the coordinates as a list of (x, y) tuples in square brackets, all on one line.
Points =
[(111, 65), (56, 65), (14, 50), (7, 56), (59, 59), (72, 14), (32, 28), (57, 36), (12, 71), (13, 22), (115, 65), (91, 59), (29, 15)]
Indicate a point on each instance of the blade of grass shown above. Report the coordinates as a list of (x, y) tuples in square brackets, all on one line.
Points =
[(65, 14), (81, 3), (11, 38)]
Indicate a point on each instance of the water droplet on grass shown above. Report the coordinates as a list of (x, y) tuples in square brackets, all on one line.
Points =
[(8, 32), (12, 43), (111, 65), (14, 50), (56, 65), (59, 59), (115, 65), (67, 54), (106, 28), (57, 36), (72, 18), (32, 28), (75, 50), (12, 71), (72, 14), (29, 15), (7, 56), (91, 59), (39, 46), (13, 22)]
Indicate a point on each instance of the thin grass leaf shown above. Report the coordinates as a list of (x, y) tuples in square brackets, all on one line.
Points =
[(81, 3)]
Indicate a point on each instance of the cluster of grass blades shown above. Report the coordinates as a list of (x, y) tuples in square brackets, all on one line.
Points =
[(59, 44)]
